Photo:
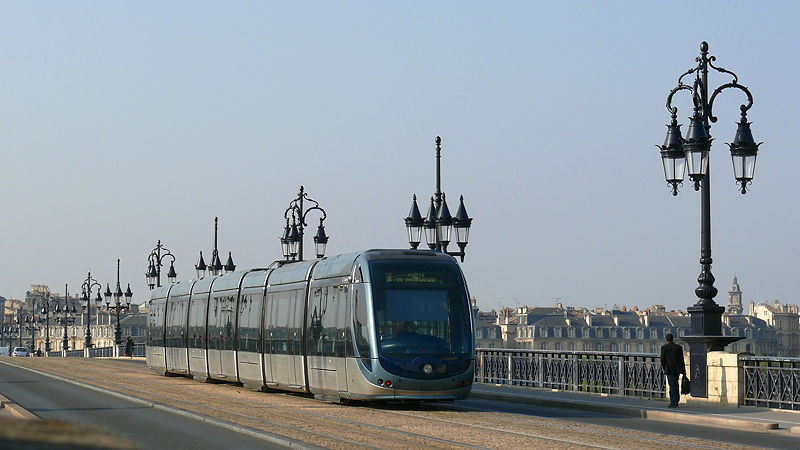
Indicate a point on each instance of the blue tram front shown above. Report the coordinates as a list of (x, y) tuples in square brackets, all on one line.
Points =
[(412, 327), (372, 325)]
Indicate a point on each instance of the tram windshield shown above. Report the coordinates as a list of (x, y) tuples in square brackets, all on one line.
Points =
[(422, 317)]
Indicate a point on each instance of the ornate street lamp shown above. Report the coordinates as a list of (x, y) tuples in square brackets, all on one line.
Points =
[(706, 314), (292, 238), (155, 262), (47, 305), (118, 306), (216, 267), (438, 223), (86, 296), (67, 318)]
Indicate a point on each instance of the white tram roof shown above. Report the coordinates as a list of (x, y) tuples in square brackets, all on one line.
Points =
[(255, 278), (292, 273), (181, 288), (228, 281), (335, 266)]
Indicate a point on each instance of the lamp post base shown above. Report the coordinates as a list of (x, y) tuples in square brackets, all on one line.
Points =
[(699, 346)]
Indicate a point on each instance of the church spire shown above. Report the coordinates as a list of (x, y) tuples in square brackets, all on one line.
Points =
[(735, 297)]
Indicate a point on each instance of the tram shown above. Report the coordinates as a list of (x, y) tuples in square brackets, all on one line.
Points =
[(375, 325)]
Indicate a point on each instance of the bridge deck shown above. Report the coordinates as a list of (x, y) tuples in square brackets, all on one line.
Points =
[(335, 426)]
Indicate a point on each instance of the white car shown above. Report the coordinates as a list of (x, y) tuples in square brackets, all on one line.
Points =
[(20, 351)]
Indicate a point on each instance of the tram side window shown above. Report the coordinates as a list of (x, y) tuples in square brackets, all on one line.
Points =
[(156, 330), (360, 321), (329, 321), (269, 324), (296, 325), (249, 314), (343, 340), (175, 327), (197, 321), (314, 340), (280, 321), (213, 336), (227, 319)]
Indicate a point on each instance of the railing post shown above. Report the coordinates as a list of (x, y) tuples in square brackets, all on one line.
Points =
[(540, 368), (510, 369), (483, 367), (621, 376), (575, 374)]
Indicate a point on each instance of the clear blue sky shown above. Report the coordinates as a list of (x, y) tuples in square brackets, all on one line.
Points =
[(127, 122)]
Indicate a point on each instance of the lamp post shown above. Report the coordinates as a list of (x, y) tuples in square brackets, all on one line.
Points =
[(706, 314), (47, 302), (216, 266), (118, 305), (155, 262), (438, 223), (292, 239), (86, 295), (67, 319), (27, 323)]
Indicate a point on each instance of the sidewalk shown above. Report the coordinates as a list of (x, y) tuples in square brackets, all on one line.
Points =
[(742, 418)]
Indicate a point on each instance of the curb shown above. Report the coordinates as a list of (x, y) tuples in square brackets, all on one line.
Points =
[(633, 411), (16, 410)]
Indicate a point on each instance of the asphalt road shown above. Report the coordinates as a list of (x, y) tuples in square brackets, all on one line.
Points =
[(145, 426)]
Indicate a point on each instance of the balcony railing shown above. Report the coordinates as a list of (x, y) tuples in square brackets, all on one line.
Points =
[(771, 382), (633, 374)]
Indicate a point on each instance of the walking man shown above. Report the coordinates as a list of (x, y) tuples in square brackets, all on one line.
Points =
[(673, 365)]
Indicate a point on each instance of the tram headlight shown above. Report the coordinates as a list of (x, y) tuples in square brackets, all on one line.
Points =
[(427, 369)]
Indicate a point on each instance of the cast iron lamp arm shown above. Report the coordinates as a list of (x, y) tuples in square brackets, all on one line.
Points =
[(734, 84)]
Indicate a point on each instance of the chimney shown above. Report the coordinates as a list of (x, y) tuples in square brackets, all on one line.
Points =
[(647, 320), (588, 318), (752, 308), (616, 319)]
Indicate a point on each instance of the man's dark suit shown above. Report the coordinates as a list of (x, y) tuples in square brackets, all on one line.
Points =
[(673, 365)]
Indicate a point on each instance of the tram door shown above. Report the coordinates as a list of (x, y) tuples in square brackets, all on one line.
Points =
[(296, 308), (285, 334)]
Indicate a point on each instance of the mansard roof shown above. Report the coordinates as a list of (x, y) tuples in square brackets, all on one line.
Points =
[(551, 321), (659, 321), (534, 314), (627, 319), (603, 321)]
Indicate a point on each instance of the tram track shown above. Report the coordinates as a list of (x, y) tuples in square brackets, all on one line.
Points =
[(335, 426)]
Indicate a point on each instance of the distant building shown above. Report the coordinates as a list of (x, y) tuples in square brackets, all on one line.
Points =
[(618, 330), (786, 322)]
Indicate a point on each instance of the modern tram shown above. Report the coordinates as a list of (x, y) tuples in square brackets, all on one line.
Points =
[(376, 325)]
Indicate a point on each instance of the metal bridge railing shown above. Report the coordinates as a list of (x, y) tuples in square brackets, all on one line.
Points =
[(75, 353), (139, 351), (632, 374), (101, 352), (52, 354), (771, 382)]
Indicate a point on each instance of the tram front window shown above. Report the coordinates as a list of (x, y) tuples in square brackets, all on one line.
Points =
[(422, 318)]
